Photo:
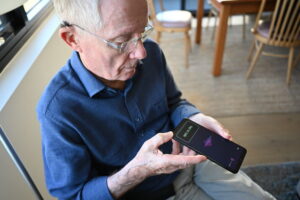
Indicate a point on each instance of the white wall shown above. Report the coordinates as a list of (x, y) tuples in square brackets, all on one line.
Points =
[(18, 119)]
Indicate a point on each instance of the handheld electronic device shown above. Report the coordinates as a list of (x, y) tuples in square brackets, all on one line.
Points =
[(223, 152)]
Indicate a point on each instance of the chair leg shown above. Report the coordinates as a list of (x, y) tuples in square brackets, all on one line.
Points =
[(187, 48), (158, 35), (244, 26), (214, 30), (189, 42), (290, 66), (208, 19), (296, 61), (251, 50), (254, 60)]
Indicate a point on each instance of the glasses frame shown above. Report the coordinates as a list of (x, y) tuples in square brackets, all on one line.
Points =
[(119, 47)]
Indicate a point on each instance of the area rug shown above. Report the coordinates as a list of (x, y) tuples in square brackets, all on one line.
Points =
[(231, 94), (278, 179)]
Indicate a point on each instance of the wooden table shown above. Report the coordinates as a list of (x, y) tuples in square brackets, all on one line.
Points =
[(200, 11), (226, 8), (182, 4)]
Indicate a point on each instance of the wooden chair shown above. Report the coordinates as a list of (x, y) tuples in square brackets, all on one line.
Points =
[(283, 30), (171, 21)]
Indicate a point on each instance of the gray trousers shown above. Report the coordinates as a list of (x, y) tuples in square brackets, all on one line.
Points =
[(207, 181)]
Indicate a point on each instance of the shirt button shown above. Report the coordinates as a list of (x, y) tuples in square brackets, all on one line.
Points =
[(137, 119)]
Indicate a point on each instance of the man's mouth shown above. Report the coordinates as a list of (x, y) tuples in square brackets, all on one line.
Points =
[(131, 66)]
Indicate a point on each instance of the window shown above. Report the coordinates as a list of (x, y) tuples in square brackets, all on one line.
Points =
[(30, 4), (17, 25), (1, 38)]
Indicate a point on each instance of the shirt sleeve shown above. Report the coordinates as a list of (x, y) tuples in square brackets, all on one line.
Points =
[(180, 108), (67, 163)]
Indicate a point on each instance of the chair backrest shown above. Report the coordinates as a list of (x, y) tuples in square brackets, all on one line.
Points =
[(285, 22), (152, 10), (161, 5)]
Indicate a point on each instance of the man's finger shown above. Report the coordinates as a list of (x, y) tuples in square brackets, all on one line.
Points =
[(224, 133), (159, 139), (191, 152), (219, 129), (175, 147), (180, 160), (184, 150), (187, 151)]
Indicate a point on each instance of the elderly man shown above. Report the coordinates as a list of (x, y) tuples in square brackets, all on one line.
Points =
[(105, 116)]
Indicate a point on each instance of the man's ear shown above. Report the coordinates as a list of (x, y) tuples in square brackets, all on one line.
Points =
[(68, 35)]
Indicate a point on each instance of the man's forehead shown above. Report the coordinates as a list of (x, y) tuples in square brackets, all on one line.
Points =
[(116, 10), (123, 18)]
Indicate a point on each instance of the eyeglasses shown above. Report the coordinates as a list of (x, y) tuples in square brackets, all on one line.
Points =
[(124, 47)]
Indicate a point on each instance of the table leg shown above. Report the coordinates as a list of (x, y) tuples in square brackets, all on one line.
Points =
[(220, 39), (200, 9), (182, 4)]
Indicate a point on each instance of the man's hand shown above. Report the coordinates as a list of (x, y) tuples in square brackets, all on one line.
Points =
[(155, 162), (211, 124), (150, 161)]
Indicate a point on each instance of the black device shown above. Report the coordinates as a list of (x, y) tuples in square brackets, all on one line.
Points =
[(223, 152)]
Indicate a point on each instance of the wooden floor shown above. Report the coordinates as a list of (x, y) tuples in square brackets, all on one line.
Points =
[(269, 138)]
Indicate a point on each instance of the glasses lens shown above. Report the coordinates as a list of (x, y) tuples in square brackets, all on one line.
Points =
[(132, 44), (148, 30)]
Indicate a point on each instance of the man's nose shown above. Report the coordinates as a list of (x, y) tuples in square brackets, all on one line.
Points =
[(139, 52)]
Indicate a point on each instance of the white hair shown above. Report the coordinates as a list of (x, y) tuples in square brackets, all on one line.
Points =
[(84, 13)]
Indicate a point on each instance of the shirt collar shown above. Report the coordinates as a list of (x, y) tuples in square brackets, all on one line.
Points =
[(91, 84)]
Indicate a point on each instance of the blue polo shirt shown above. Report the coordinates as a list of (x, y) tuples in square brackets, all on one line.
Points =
[(89, 131)]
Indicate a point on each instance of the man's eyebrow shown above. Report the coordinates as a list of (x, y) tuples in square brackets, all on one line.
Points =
[(126, 35), (123, 35)]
